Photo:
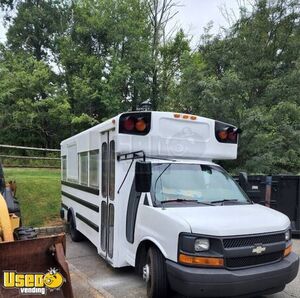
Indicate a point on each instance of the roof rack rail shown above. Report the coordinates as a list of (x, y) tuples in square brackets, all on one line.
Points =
[(132, 155)]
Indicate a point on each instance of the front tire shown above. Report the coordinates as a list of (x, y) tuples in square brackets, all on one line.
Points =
[(154, 273), (76, 236)]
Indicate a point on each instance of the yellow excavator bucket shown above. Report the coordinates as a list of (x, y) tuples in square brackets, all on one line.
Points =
[(32, 266), (38, 263)]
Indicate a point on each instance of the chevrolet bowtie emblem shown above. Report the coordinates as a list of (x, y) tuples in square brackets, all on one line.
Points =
[(258, 249)]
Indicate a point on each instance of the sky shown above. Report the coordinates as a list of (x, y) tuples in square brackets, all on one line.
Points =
[(193, 16), (2, 29)]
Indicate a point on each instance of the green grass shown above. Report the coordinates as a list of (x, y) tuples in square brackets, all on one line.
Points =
[(38, 191)]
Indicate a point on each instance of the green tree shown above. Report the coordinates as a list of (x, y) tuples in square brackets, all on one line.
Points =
[(106, 57), (68, 65), (36, 26), (249, 76), (34, 108), (160, 12)]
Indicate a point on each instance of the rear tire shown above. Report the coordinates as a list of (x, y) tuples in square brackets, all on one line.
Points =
[(76, 236), (154, 272), (24, 233)]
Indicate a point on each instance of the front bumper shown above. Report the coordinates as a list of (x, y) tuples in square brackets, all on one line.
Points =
[(206, 282)]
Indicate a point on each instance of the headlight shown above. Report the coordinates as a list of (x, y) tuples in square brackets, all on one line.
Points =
[(201, 244), (288, 235)]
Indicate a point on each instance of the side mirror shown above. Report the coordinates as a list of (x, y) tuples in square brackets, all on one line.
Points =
[(243, 180), (143, 176)]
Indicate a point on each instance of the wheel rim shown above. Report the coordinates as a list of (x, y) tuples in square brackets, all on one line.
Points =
[(148, 266), (146, 273)]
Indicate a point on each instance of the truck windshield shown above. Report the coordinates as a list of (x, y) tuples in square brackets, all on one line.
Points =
[(195, 183)]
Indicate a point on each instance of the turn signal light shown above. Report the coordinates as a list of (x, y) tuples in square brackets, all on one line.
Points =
[(135, 123), (140, 125), (201, 261), (223, 135), (226, 133), (128, 123), (287, 251)]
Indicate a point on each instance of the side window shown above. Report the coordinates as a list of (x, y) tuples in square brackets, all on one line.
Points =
[(63, 168), (111, 230), (72, 163), (103, 225), (83, 168), (112, 170), (104, 162), (94, 169)]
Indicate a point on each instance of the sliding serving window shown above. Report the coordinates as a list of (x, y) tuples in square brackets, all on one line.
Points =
[(87, 167), (94, 169), (83, 168)]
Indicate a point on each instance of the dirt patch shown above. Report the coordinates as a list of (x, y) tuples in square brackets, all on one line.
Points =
[(54, 222)]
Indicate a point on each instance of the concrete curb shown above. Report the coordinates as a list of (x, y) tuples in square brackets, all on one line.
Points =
[(81, 285), (51, 230)]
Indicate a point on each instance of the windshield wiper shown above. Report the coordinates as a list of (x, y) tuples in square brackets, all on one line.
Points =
[(178, 200), (227, 200), (205, 203), (185, 200)]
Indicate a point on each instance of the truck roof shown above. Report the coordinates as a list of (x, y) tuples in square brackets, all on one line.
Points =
[(173, 135)]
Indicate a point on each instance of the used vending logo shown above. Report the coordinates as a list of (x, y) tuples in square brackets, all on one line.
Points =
[(33, 283)]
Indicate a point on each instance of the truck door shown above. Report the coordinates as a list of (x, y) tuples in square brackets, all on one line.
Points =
[(107, 194)]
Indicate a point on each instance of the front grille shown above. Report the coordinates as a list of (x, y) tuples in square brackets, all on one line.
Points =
[(252, 240), (253, 260)]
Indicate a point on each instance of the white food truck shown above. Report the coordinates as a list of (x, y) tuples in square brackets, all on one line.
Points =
[(144, 189)]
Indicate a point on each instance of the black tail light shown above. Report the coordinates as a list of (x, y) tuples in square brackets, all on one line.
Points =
[(226, 133), (135, 123)]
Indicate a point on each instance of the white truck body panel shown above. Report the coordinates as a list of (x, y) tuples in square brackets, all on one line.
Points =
[(185, 141), (178, 138)]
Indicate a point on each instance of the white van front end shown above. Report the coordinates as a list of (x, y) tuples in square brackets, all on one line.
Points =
[(238, 254), (212, 246)]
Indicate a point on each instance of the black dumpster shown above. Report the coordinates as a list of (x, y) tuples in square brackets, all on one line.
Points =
[(281, 192)]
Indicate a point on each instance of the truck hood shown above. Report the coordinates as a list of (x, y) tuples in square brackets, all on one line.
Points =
[(231, 220)]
